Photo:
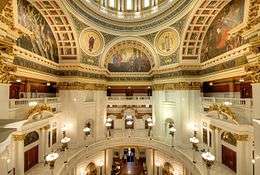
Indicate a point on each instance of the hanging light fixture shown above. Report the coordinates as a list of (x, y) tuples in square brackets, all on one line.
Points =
[(209, 160), (65, 143)]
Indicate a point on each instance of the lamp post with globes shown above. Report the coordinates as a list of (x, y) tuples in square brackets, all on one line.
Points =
[(108, 125), (194, 141), (50, 159), (172, 131), (209, 160), (150, 126), (87, 129)]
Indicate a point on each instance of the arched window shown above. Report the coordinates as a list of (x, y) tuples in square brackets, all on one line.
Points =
[(146, 3), (129, 4), (31, 138)]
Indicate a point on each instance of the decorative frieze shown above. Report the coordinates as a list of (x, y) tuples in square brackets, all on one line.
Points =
[(254, 72), (6, 70), (178, 86), (241, 137), (80, 86)]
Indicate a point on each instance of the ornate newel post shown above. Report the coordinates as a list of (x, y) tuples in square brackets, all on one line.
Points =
[(19, 150)]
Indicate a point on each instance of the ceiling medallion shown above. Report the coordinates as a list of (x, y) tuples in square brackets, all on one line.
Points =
[(91, 42), (167, 41)]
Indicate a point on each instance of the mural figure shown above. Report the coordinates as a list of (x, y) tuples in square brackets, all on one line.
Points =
[(167, 41), (217, 40), (41, 40), (129, 60), (91, 43)]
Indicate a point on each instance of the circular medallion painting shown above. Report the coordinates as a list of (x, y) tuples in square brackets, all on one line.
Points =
[(91, 42), (167, 41)]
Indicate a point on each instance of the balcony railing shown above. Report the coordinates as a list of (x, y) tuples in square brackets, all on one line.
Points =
[(130, 100), (239, 102), (19, 107)]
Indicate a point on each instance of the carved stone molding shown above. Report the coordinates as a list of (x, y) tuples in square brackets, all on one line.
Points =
[(241, 137), (19, 137), (6, 70), (254, 72), (80, 86), (178, 86)]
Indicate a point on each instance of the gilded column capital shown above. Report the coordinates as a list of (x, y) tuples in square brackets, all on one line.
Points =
[(6, 70), (241, 137), (254, 72), (19, 137), (178, 86)]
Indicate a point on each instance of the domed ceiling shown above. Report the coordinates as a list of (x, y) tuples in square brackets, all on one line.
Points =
[(131, 17)]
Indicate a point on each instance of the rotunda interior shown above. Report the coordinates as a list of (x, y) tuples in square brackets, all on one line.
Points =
[(129, 87)]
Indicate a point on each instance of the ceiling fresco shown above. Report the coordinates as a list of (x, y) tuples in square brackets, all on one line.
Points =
[(217, 40), (128, 56), (41, 39)]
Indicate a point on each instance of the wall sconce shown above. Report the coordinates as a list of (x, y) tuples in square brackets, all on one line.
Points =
[(87, 129), (208, 159), (172, 131), (50, 159), (158, 164)]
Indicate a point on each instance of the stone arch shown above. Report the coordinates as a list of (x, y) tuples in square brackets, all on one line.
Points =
[(59, 20), (31, 138), (155, 63), (167, 168)]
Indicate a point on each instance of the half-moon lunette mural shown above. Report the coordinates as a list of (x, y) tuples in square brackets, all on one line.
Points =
[(217, 40), (41, 40), (129, 56)]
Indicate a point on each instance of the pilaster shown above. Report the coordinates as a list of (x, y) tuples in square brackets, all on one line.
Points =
[(4, 101), (19, 150)]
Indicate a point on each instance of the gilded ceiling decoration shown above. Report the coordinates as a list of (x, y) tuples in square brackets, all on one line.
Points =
[(167, 41), (60, 23), (198, 26), (91, 42), (39, 38), (124, 23), (217, 39)]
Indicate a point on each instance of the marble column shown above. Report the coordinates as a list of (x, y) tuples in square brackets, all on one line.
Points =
[(19, 150), (109, 161), (4, 101), (149, 161)]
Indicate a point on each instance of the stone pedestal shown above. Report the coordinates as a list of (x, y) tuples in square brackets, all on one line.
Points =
[(4, 101)]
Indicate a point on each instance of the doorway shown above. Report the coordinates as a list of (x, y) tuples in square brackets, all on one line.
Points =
[(31, 158), (229, 158)]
